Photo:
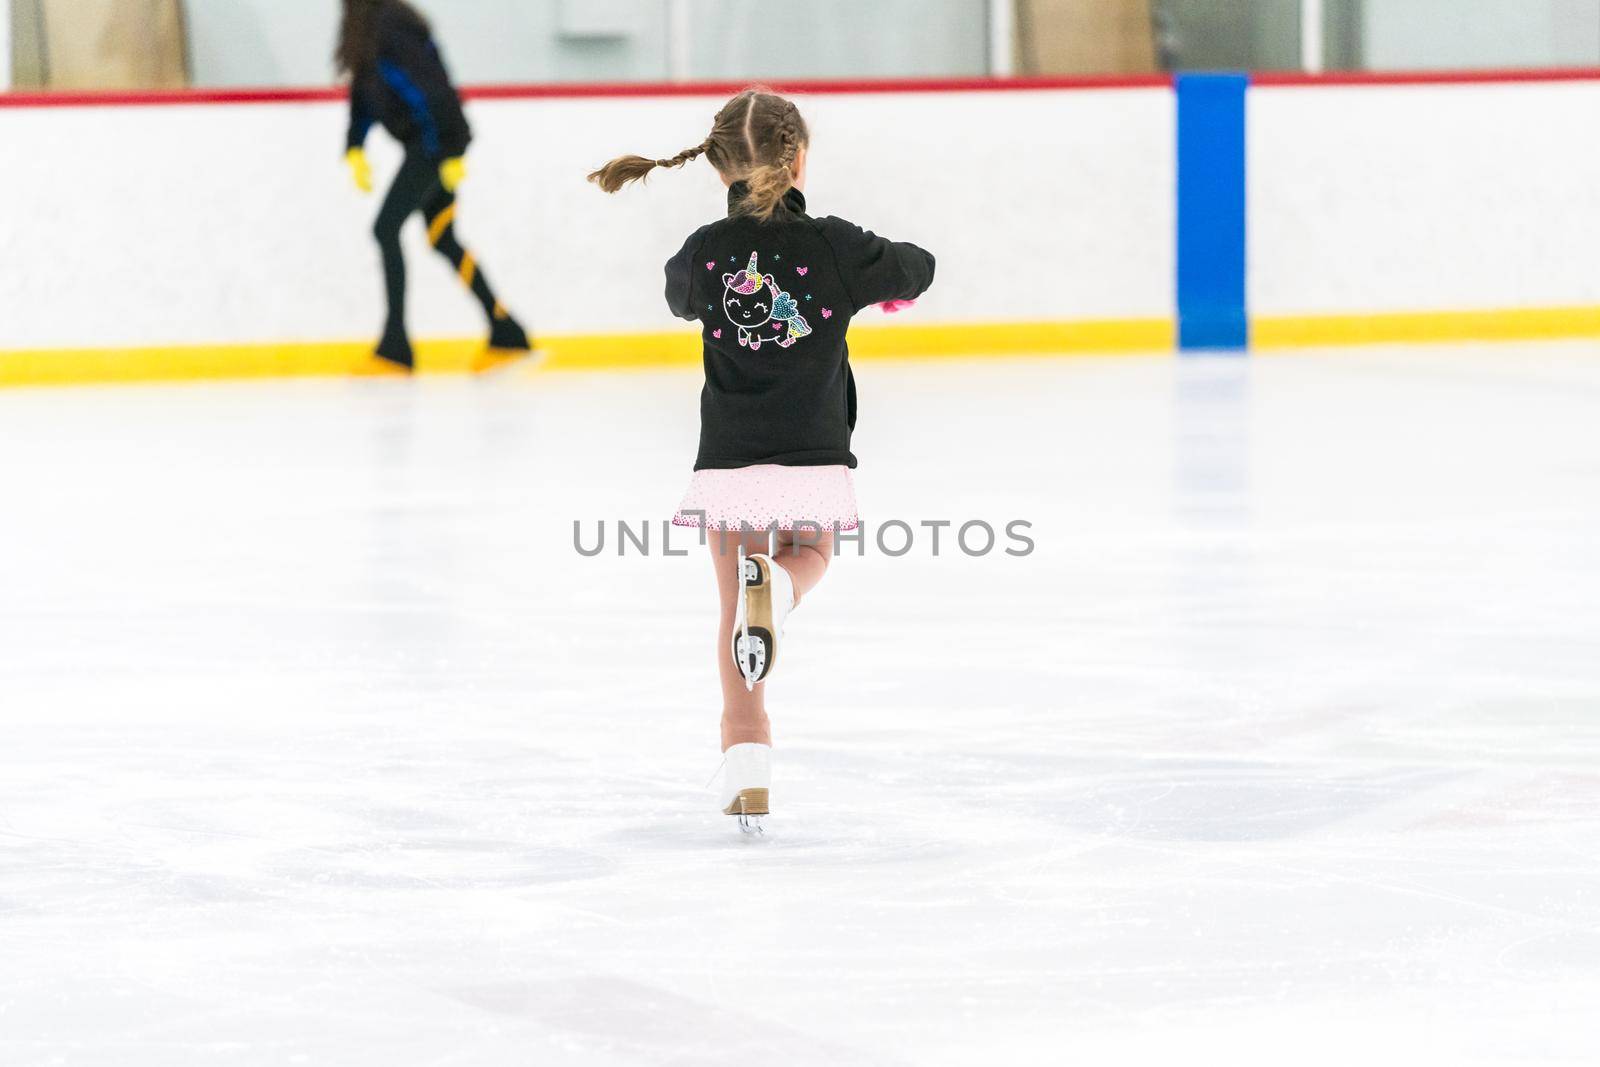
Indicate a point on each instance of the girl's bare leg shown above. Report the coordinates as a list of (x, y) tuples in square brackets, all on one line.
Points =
[(805, 555), (744, 712)]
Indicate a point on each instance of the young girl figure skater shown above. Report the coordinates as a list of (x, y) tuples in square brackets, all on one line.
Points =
[(397, 78), (775, 291)]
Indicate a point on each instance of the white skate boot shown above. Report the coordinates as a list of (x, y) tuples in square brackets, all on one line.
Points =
[(746, 783), (766, 597)]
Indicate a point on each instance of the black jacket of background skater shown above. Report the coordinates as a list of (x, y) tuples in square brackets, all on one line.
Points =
[(409, 92), (774, 300)]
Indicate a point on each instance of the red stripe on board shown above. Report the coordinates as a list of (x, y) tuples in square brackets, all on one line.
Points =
[(581, 90), (577, 90), (169, 96), (1429, 77), (865, 85)]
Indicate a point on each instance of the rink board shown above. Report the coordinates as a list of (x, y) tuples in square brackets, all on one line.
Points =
[(560, 352), (1378, 209)]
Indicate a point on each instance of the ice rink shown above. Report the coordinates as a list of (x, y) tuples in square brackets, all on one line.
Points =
[(321, 744)]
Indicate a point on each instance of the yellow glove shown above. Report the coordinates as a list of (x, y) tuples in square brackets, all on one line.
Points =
[(452, 172), (360, 169)]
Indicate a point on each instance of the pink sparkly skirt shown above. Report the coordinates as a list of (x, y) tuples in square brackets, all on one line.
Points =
[(770, 496)]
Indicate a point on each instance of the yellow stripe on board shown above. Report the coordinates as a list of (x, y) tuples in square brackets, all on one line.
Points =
[(681, 348), (560, 352), (441, 222), (216, 362), (1511, 324), (620, 351), (1012, 338)]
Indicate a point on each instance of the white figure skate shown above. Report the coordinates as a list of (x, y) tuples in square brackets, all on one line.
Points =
[(766, 597), (746, 784)]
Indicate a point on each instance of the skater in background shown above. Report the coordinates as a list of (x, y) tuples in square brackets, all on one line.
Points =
[(397, 78), (774, 291)]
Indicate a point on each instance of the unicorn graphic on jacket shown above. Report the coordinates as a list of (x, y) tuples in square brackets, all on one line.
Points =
[(752, 299)]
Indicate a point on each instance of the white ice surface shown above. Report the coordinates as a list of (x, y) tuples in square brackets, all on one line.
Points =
[(319, 744)]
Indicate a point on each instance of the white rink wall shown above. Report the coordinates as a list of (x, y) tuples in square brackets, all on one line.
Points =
[(237, 223), (1379, 198), (234, 223)]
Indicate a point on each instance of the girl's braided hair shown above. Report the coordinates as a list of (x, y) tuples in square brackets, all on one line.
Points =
[(756, 138)]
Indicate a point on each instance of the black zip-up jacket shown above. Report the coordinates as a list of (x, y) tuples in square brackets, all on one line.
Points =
[(774, 300), (408, 91)]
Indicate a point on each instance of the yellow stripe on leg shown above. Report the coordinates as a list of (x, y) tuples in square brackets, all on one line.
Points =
[(469, 268), (441, 222)]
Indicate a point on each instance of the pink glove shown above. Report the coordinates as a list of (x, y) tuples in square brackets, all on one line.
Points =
[(891, 306)]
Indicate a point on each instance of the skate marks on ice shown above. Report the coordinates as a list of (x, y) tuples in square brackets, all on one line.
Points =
[(1283, 743), (620, 1020)]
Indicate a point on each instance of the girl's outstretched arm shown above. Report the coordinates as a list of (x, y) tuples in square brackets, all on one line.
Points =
[(874, 268)]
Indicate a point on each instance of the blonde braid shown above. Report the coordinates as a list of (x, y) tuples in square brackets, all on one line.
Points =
[(756, 137), (625, 169), (789, 139), (686, 155)]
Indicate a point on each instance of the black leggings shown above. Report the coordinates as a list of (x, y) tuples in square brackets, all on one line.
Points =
[(418, 188)]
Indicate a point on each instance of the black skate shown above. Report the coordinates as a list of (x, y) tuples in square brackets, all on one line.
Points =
[(506, 335), (395, 348)]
